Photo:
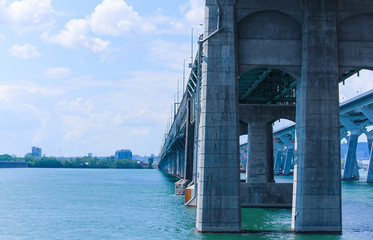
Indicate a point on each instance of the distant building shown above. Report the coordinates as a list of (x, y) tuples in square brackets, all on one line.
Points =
[(144, 159), (36, 152), (123, 154), (89, 154)]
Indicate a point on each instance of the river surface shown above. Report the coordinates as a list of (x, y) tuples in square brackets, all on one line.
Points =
[(100, 204)]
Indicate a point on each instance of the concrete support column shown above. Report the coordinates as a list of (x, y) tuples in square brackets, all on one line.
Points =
[(368, 112), (278, 162), (370, 141), (317, 174), (370, 169), (189, 142), (351, 171), (259, 155), (218, 179), (289, 158), (181, 185), (174, 162), (288, 141), (243, 155), (169, 169), (182, 164), (177, 163)]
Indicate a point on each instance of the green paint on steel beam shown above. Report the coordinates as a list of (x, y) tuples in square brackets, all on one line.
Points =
[(266, 85), (348, 74)]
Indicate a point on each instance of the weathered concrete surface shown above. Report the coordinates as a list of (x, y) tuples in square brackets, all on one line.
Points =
[(317, 178), (289, 143), (277, 167), (266, 194), (218, 201), (289, 158), (180, 186), (259, 118), (351, 171), (314, 41), (259, 166), (189, 142), (370, 169)]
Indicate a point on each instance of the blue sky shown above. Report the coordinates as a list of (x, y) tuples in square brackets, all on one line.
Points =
[(91, 75), (96, 75)]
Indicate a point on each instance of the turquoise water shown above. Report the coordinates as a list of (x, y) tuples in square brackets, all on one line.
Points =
[(140, 204)]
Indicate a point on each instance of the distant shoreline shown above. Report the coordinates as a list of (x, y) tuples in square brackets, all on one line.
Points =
[(79, 162)]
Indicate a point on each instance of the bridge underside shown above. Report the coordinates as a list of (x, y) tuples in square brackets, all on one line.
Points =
[(267, 60)]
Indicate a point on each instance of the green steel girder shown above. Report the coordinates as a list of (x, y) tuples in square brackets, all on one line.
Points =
[(272, 86), (266, 86), (258, 80), (348, 74)]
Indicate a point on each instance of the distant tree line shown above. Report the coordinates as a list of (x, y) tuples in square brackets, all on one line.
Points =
[(79, 162)]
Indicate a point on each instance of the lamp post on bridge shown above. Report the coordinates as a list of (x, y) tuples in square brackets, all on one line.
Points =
[(192, 36), (184, 72)]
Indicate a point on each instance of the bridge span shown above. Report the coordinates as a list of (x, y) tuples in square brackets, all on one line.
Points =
[(260, 61), (356, 118)]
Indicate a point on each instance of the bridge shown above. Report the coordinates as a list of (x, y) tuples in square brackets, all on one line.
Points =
[(356, 118), (260, 61)]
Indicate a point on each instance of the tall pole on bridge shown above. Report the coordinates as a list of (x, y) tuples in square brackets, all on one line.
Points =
[(191, 39), (190, 66)]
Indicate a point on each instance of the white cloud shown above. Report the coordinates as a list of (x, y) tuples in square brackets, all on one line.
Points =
[(111, 17), (29, 15), (115, 17), (75, 35), (160, 51), (25, 51), (57, 72), (76, 106), (195, 13), (90, 116), (22, 90), (2, 37), (81, 118)]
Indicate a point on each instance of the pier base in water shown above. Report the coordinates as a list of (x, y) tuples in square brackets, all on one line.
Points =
[(266, 195), (180, 186)]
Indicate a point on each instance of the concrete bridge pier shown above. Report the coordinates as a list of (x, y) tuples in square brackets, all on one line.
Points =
[(259, 155), (169, 166), (178, 160), (180, 156), (317, 177), (181, 164), (189, 144), (288, 160), (289, 154), (369, 140), (368, 112), (351, 171), (182, 183), (174, 164), (218, 179), (278, 161), (370, 169), (260, 189), (187, 164)]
